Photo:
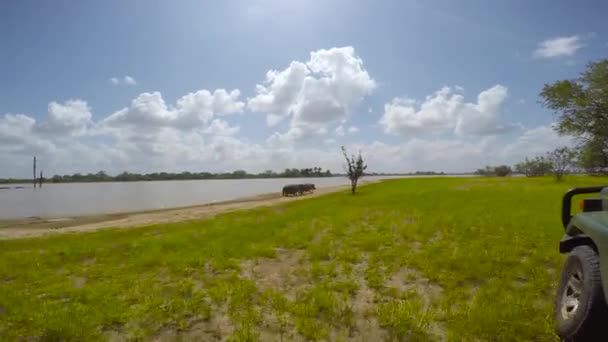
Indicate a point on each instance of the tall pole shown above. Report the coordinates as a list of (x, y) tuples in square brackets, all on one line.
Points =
[(34, 171), (40, 184)]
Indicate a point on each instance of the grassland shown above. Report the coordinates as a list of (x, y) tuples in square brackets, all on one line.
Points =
[(423, 259)]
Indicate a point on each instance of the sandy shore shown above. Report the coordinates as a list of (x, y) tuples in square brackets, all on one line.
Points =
[(18, 229)]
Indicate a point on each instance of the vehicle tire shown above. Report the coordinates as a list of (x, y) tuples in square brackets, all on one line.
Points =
[(580, 307)]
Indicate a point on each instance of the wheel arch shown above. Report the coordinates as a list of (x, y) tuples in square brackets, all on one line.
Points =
[(569, 242)]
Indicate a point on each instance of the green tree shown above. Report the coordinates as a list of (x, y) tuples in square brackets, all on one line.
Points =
[(562, 160), (582, 108), (239, 174), (593, 157), (355, 167), (538, 166), (502, 170), (488, 171)]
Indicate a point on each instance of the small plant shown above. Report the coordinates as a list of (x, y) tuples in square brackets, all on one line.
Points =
[(355, 167)]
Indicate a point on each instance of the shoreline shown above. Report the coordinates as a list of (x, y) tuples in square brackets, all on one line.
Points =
[(39, 227)]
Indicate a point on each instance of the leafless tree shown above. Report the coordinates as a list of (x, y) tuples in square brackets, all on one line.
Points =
[(355, 167)]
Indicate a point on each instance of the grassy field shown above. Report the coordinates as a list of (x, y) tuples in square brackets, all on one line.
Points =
[(457, 259)]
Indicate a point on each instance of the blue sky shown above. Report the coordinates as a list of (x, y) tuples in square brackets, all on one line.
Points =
[(79, 54)]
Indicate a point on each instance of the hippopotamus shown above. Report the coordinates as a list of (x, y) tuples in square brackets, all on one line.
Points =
[(298, 189), (308, 187), (292, 189)]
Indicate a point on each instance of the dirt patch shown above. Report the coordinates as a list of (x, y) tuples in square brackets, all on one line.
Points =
[(283, 273), (218, 328), (406, 280), (89, 262), (468, 186), (35, 227), (277, 327), (78, 282), (363, 304)]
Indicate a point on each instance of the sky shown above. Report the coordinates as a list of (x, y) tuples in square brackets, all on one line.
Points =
[(150, 86)]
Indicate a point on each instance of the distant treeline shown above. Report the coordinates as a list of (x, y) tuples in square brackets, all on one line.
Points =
[(102, 176)]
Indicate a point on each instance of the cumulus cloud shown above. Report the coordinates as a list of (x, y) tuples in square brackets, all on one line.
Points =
[(535, 141), (281, 91), (129, 80), (221, 128), (149, 133), (340, 131), (125, 80), (183, 134), (216, 147), (313, 98), (446, 110), (558, 47), (14, 128), (314, 94), (148, 111), (69, 118)]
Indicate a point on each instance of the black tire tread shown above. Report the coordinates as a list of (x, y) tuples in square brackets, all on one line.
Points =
[(590, 327)]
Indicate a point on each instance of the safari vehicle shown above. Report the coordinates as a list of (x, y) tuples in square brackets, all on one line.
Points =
[(581, 310)]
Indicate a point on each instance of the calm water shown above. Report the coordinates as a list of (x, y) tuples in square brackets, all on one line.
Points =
[(75, 199)]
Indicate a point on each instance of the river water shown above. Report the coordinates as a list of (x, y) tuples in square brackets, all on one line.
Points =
[(77, 199)]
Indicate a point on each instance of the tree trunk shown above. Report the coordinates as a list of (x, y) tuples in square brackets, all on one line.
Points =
[(353, 186)]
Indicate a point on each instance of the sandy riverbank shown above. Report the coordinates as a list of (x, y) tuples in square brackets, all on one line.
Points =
[(25, 228)]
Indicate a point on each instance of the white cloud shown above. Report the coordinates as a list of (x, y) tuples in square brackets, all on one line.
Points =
[(340, 131), (535, 141), (184, 134), (149, 111), (436, 114), (220, 127), (129, 80), (71, 118), (482, 118), (125, 80), (446, 110), (281, 91), (215, 146), (314, 98), (313, 94), (558, 47), (15, 128)]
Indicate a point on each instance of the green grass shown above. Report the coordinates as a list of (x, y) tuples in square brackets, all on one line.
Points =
[(424, 259)]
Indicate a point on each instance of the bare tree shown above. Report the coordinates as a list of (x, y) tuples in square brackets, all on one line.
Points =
[(561, 160), (355, 166)]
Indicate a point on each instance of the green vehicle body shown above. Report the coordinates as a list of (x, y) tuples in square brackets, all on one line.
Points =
[(589, 227)]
